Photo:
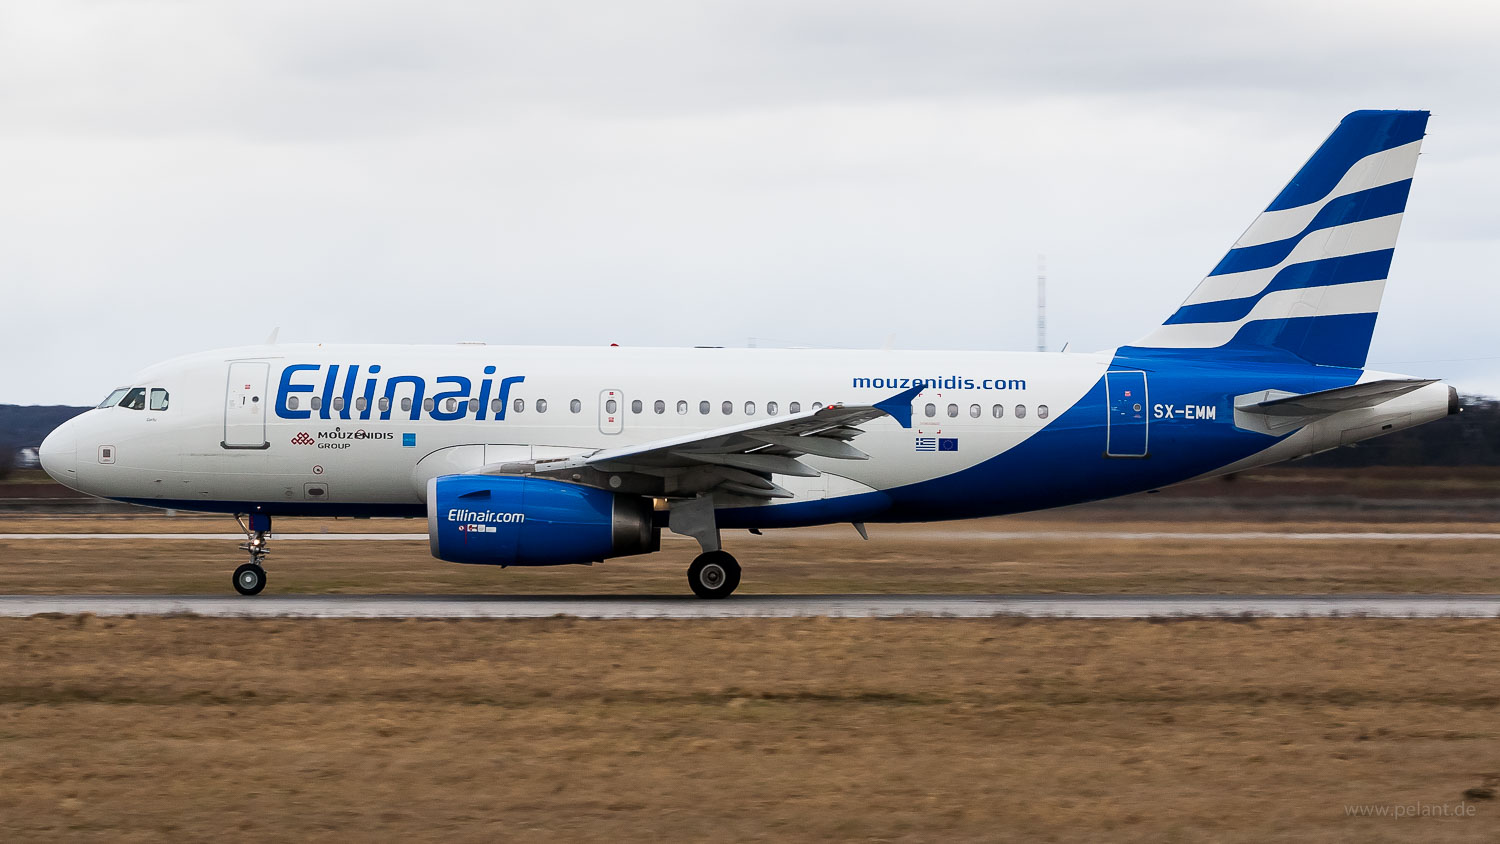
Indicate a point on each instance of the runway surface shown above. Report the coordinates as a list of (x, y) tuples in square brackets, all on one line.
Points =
[(957, 535), (760, 606)]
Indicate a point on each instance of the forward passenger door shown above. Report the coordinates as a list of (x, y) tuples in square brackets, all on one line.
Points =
[(245, 405)]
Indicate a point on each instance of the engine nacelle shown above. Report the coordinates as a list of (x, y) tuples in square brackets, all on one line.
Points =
[(517, 521)]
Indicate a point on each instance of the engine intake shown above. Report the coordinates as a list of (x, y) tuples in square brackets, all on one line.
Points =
[(518, 521)]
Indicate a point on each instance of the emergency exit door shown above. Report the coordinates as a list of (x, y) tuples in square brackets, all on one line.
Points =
[(245, 405), (1128, 424), (611, 411)]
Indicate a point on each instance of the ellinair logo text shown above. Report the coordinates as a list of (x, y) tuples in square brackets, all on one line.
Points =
[(482, 521), (461, 515), (350, 391)]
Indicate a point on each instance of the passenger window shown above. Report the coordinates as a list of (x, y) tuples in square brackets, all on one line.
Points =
[(360, 404), (449, 406), (635, 406), (135, 399), (682, 408), (771, 408), (1041, 411), (1020, 411), (999, 411), (749, 408), (611, 406), (384, 405), (974, 411), (405, 403), (473, 406), (660, 407), (703, 407), (727, 407), (338, 403), (519, 405), (794, 407), (428, 405), (817, 405), (292, 403), (575, 405), (930, 410), (114, 398), (952, 411), (541, 405)]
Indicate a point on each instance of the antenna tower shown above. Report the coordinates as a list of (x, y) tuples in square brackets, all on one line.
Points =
[(1041, 303)]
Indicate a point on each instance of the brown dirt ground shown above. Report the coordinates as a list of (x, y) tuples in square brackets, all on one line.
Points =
[(937, 558), (906, 730)]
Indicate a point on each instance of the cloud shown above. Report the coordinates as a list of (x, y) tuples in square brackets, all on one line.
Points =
[(181, 176)]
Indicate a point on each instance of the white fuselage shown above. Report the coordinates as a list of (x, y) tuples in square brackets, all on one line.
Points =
[(349, 450), (359, 430)]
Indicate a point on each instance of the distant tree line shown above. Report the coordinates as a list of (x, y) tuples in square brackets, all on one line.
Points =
[(1471, 438), (26, 427)]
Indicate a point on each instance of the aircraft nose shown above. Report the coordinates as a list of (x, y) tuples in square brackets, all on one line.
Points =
[(59, 455)]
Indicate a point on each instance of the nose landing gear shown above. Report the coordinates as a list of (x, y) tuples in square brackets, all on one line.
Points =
[(250, 578)]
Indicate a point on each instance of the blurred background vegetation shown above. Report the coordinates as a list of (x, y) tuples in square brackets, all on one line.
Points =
[(1471, 438)]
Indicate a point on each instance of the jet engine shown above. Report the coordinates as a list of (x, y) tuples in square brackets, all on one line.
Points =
[(520, 521)]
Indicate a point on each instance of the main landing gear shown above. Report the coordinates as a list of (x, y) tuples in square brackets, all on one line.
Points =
[(250, 578), (714, 574)]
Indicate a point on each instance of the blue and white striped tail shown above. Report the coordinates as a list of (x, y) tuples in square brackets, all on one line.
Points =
[(1307, 276)]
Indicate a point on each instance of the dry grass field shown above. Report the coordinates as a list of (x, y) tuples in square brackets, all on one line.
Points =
[(908, 730), (942, 558), (153, 729)]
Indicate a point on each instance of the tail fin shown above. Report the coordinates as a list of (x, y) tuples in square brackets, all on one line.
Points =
[(1306, 278)]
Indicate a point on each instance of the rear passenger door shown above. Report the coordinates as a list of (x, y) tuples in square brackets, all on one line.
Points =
[(1128, 432)]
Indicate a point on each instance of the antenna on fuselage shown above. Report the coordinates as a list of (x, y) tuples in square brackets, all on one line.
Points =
[(271, 338)]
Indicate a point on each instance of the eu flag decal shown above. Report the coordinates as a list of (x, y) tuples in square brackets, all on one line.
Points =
[(927, 444), (948, 444), (408, 440)]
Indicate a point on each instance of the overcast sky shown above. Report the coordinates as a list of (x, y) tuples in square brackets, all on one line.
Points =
[(178, 176)]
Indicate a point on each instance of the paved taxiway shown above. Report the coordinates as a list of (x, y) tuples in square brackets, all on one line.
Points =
[(964, 536), (761, 606)]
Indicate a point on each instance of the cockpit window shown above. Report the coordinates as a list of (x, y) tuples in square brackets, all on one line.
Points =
[(135, 399), (114, 398), (159, 399)]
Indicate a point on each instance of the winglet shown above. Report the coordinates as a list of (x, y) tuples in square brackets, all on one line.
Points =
[(898, 407)]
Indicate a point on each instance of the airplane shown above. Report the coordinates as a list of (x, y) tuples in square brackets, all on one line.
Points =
[(534, 456)]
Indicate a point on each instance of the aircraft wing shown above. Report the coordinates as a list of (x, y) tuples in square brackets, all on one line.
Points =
[(737, 458)]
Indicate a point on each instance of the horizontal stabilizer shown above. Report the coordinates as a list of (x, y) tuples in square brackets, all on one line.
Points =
[(1325, 402)]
